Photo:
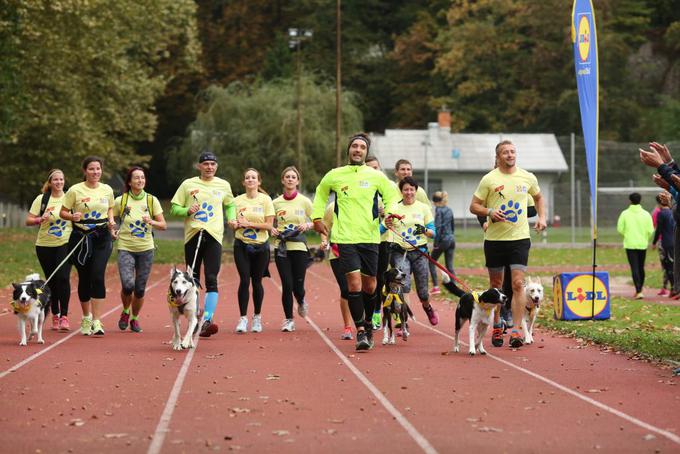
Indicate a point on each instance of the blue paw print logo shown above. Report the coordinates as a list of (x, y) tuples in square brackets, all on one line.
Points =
[(408, 235), (511, 211), (289, 228), (250, 233), (56, 228), (138, 229), (205, 213), (92, 215)]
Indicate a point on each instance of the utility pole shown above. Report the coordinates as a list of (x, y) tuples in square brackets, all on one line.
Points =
[(297, 35), (338, 82)]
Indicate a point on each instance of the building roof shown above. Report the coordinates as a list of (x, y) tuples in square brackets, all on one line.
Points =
[(465, 152)]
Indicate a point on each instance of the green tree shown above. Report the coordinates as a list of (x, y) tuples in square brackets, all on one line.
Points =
[(255, 126), (85, 77)]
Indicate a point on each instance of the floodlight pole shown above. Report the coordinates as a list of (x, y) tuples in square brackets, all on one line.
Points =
[(297, 35), (338, 83)]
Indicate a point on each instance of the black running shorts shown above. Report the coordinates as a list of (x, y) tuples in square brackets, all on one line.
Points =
[(500, 254), (361, 257)]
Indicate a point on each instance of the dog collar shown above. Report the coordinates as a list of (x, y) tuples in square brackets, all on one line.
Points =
[(19, 308)]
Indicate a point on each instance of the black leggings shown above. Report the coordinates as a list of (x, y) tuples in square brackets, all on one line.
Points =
[(60, 284), (636, 259), (91, 282), (292, 270), (209, 254), (252, 262)]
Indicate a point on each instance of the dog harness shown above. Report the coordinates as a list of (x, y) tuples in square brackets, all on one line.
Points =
[(389, 297)]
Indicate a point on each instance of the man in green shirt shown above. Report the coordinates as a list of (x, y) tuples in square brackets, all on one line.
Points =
[(357, 189), (636, 226)]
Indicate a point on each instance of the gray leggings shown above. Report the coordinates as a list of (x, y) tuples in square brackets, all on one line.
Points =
[(417, 264), (134, 269)]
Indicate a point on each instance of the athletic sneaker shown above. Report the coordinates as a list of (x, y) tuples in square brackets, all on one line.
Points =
[(302, 309), (639, 296), (435, 290), (208, 328), (369, 337), (497, 336), (123, 321), (64, 324), (257, 323), (97, 328), (55, 322), (134, 326), (516, 341), (363, 343), (506, 315), (242, 326), (663, 292), (376, 321), (445, 277), (347, 334), (431, 315), (288, 325), (86, 326)]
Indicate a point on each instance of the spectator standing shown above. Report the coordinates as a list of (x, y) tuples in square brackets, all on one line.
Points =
[(665, 226), (636, 226)]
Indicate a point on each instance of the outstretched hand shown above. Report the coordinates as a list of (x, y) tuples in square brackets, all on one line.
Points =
[(651, 158)]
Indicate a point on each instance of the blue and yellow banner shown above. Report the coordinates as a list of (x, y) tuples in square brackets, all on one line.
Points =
[(584, 39)]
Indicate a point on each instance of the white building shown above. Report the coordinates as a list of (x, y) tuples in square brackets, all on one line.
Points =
[(456, 162)]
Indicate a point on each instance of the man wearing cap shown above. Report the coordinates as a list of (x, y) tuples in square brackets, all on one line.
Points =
[(358, 188), (200, 200)]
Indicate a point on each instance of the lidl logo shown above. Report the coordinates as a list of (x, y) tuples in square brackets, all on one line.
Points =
[(579, 295), (584, 38)]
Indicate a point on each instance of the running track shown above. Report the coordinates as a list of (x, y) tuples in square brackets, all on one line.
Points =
[(308, 391)]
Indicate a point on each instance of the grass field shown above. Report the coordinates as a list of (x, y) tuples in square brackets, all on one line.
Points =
[(648, 330)]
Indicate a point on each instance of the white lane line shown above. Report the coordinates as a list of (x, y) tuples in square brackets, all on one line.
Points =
[(671, 436), (59, 342), (163, 426), (401, 419)]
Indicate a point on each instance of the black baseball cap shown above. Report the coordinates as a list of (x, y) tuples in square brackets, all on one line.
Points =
[(207, 155)]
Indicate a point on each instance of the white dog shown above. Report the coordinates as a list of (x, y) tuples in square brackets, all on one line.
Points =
[(183, 300), (29, 300), (533, 290)]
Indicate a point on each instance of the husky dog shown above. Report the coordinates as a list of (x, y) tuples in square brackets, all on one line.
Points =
[(30, 300), (183, 300)]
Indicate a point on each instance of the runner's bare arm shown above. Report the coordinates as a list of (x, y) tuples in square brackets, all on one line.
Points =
[(539, 200)]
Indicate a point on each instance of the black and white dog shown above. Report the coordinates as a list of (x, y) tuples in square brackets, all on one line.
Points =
[(395, 305), (478, 309), (533, 290), (29, 302), (183, 300)]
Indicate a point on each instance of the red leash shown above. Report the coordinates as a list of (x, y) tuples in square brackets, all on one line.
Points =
[(465, 287)]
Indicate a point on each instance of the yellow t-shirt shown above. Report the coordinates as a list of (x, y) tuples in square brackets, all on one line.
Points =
[(289, 215), (93, 203), (421, 196), (508, 193), (55, 231), (134, 234), (253, 210), (211, 196), (416, 213)]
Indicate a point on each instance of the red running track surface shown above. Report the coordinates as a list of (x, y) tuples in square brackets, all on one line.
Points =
[(308, 391)]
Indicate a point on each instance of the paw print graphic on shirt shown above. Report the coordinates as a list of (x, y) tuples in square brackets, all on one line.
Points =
[(408, 235), (511, 211), (205, 213), (250, 233), (56, 228), (138, 229), (92, 215)]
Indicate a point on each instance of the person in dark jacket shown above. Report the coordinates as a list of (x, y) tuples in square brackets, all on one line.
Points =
[(665, 226), (444, 240)]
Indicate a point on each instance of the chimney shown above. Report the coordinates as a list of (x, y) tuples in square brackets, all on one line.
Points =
[(444, 118)]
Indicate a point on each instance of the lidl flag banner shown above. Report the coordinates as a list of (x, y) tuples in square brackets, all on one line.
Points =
[(584, 39)]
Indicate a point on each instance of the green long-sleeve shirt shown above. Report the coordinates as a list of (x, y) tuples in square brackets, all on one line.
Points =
[(636, 226), (357, 188)]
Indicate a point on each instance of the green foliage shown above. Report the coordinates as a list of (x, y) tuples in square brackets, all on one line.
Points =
[(255, 126), (84, 80)]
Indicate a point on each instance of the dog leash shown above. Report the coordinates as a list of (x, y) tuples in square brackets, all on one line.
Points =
[(198, 245), (466, 287)]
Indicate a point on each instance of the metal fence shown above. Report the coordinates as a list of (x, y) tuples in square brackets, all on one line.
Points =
[(12, 215)]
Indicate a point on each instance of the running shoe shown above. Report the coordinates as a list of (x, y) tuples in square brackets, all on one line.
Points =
[(377, 321), (55, 322), (497, 336), (663, 292), (208, 328), (302, 309), (347, 334), (64, 324), (134, 326), (516, 341), (363, 343), (639, 296), (242, 326), (257, 323), (506, 315), (445, 277), (123, 321), (86, 326), (431, 315), (369, 337), (435, 290), (97, 328), (288, 325)]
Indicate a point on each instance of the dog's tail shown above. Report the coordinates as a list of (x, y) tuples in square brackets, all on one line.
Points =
[(32, 277)]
